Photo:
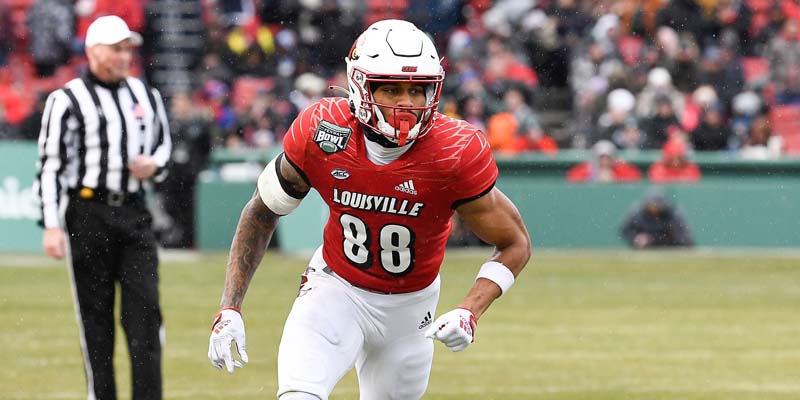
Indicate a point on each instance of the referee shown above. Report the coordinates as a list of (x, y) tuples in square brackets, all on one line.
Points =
[(104, 138)]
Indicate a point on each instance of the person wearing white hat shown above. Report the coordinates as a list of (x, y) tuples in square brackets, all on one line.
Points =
[(604, 167), (104, 140), (659, 84), (109, 44)]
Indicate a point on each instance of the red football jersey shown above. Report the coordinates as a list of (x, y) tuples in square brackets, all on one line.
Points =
[(388, 224)]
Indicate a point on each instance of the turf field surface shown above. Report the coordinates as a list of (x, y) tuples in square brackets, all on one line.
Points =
[(582, 325)]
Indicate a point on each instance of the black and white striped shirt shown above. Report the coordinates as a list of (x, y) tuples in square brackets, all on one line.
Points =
[(90, 132)]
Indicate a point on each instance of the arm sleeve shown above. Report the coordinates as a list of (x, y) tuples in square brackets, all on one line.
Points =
[(476, 172), (163, 141), (52, 157)]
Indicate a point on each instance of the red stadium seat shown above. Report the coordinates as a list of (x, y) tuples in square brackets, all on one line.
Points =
[(23, 4), (629, 48), (17, 102), (245, 90), (785, 121), (760, 18), (47, 84), (791, 145), (759, 6), (758, 22), (6, 77), (756, 70)]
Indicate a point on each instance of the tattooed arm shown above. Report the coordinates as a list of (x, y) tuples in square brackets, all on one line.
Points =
[(283, 187), (253, 233), (256, 226)]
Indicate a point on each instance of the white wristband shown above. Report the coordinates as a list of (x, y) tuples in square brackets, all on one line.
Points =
[(497, 273)]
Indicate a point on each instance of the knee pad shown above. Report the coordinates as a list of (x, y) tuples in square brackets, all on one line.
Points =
[(297, 396)]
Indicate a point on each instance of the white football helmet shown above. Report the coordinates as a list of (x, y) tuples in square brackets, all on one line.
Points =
[(393, 51)]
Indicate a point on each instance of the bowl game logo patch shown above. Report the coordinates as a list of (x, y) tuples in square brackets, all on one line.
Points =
[(331, 138)]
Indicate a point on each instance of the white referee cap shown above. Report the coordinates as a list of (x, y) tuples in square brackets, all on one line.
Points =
[(110, 29)]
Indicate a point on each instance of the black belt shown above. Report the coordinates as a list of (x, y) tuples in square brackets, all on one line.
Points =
[(110, 197)]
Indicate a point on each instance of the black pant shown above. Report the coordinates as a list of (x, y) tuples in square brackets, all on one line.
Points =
[(110, 244)]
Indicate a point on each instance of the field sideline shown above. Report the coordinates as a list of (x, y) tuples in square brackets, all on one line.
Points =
[(578, 325)]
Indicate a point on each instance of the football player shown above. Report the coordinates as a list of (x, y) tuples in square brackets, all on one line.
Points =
[(392, 171)]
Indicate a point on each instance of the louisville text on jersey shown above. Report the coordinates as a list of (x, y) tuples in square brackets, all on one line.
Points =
[(382, 204)]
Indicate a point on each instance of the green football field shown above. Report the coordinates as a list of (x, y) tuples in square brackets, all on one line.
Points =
[(577, 325)]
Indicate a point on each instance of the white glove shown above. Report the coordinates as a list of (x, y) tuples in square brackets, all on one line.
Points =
[(228, 327), (456, 329)]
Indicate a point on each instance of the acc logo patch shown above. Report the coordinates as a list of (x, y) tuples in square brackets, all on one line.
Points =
[(331, 138), (340, 174)]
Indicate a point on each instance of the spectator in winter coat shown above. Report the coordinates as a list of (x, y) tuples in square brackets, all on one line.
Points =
[(604, 167), (51, 26), (655, 222), (659, 86), (657, 128), (617, 118), (674, 165), (712, 134), (783, 53)]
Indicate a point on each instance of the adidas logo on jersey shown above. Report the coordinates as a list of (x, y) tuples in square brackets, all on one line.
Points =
[(407, 187), (426, 321)]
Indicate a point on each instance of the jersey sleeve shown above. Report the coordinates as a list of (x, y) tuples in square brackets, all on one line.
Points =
[(476, 172), (299, 135)]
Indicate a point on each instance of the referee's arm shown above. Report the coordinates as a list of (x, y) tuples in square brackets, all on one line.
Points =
[(163, 143), (52, 161)]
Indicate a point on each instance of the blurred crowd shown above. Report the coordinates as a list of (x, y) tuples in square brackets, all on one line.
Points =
[(613, 76), (535, 75)]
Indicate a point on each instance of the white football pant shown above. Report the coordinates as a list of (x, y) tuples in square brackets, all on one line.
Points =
[(334, 326)]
